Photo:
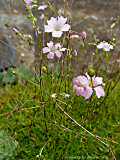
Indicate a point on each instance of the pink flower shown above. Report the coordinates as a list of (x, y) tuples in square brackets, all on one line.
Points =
[(29, 3), (42, 7), (57, 26), (75, 53), (15, 30), (83, 35), (81, 85), (105, 45), (84, 86), (97, 83), (53, 49)]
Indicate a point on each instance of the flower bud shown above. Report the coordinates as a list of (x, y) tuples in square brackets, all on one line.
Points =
[(44, 69), (75, 53), (35, 6), (112, 25), (111, 18), (16, 32), (71, 33), (91, 72), (83, 35)]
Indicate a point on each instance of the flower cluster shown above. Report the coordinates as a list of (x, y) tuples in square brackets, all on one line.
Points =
[(105, 45), (53, 49), (57, 26), (84, 85)]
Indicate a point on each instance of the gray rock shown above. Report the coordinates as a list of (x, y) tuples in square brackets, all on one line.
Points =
[(8, 56)]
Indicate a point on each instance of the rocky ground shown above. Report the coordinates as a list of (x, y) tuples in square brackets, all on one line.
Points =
[(85, 15)]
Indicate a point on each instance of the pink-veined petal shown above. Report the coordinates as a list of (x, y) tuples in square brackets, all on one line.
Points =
[(97, 81), (99, 91), (82, 80), (58, 53), (57, 34), (46, 50), (87, 92), (79, 91), (50, 55)]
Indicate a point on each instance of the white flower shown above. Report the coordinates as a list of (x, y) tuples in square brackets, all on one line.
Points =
[(57, 26), (74, 36), (53, 95), (42, 7), (105, 45)]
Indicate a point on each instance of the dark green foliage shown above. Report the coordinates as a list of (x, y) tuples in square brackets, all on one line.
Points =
[(12, 75)]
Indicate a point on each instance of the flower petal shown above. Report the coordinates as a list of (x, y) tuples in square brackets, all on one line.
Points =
[(52, 21), (50, 55), (82, 80), (62, 20), (75, 36), (50, 45), (58, 53), (99, 91), (48, 28), (97, 81), (46, 50), (42, 7), (63, 49), (66, 27), (87, 92), (57, 34), (57, 45)]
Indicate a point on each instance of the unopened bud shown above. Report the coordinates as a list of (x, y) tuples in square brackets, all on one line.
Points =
[(71, 33), (83, 35), (91, 72), (44, 69), (112, 25), (16, 32), (35, 6), (74, 53)]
